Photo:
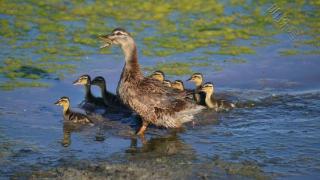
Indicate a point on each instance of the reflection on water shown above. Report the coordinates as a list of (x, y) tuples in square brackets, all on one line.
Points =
[(165, 145), (68, 129), (66, 141)]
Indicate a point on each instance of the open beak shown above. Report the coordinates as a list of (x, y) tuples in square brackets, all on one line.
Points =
[(106, 41)]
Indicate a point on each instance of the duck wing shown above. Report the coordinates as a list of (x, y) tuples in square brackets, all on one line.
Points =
[(154, 94), (79, 118)]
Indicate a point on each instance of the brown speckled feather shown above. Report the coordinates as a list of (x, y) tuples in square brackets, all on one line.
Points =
[(148, 97)]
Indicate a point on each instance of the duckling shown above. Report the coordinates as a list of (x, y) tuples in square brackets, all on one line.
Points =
[(213, 103), (167, 83), (198, 96), (149, 98), (108, 98), (85, 80), (69, 115), (158, 75), (178, 85)]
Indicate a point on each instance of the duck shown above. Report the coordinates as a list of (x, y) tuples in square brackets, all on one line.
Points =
[(158, 75), (167, 83), (85, 80), (198, 96), (179, 86), (109, 98), (153, 102), (71, 116), (212, 102)]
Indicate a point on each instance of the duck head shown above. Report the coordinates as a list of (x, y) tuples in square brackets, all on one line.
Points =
[(196, 78), (83, 80), (167, 83), (99, 81), (118, 36), (64, 102), (208, 88), (158, 75), (177, 84)]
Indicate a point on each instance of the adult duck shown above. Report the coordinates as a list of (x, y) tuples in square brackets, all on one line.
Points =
[(153, 102)]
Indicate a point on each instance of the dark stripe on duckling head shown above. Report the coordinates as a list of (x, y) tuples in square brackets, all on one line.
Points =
[(208, 84), (167, 83), (196, 76), (208, 87), (63, 99), (119, 30), (158, 75), (159, 72), (178, 84), (83, 80), (98, 79)]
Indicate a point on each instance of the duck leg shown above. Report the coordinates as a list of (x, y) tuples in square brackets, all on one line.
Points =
[(143, 128)]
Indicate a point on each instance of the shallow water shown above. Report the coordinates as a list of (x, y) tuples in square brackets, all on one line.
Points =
[(279, 135), (274, 135)]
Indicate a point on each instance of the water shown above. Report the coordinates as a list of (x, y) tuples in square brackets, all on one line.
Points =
[(274, 135), (279, 135)]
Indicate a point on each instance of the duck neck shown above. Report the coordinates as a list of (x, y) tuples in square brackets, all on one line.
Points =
[(103, 91), (208, 100), (66, 109), (131, 68), (88, 93), (198, 84)]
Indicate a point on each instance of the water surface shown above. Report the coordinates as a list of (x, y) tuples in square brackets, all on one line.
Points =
[(276, 137)]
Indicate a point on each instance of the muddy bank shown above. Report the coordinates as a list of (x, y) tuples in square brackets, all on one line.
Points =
[(156, 168)]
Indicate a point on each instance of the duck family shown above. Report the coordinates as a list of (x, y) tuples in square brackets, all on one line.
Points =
[(155, 99)]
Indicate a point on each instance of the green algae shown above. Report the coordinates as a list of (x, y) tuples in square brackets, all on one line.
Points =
[(312, 52), (173, 68), (11, 85), (289, 52), (176, 68), (232, 50), (26, 69), (236, 61), (62, 31), (246, 169)]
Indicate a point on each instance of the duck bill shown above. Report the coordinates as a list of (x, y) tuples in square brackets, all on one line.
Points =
[(57, 102), (106, 41), (76, 82), (189, 79)]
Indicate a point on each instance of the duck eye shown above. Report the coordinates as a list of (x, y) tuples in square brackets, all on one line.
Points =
[(118, 33)]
